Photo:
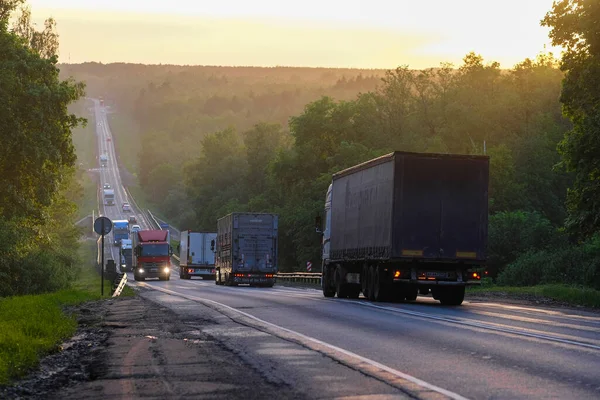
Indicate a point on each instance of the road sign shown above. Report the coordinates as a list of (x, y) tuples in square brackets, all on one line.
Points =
[(308, 266), (102, 226)]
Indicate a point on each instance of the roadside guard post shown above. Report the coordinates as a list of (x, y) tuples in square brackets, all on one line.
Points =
[(102, 226)]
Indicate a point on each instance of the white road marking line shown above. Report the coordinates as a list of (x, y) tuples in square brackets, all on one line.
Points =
[(373, 363), (480, 325)]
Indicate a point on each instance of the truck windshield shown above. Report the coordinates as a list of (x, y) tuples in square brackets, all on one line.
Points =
[(154, 250)]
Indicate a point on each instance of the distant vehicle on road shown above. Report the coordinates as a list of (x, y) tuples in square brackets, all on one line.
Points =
[(132, 219), (135, 228), (126, 255), (106, 186), (109, 197), (126, 207), (108, 139), (120, 231), (103, 160)]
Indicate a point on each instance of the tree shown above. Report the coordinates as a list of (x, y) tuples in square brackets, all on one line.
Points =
[(574, 26), (38, 248), (45, 42), (35, 126)]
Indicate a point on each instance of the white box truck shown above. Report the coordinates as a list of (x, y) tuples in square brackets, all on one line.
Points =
[(196, 256)]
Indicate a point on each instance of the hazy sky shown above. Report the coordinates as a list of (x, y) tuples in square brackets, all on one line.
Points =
[(331, 33)]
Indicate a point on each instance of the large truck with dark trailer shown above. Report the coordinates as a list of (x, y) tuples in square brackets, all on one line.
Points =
[(246, 249), (196, 258), (406, 224)]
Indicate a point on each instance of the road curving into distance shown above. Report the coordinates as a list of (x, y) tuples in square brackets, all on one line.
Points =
[(477, 350)]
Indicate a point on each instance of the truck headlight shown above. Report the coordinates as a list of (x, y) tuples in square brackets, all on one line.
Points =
[(141, 270), (166, 270)]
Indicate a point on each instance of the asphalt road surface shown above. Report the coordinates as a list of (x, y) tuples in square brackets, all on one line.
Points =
[(477, 350)]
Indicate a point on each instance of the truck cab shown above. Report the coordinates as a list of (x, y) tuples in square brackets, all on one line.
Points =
[(152, 255)]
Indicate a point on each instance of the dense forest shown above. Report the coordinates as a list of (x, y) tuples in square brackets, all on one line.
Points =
[(211, 140), (214, 140)]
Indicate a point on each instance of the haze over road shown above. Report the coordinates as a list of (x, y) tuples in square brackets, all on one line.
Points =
[(477, 350)]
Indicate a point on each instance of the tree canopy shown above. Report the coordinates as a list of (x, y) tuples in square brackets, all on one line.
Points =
[(574, 26), (37, 160)]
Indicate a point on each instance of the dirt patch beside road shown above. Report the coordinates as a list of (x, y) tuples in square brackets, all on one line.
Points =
[(133, 348)]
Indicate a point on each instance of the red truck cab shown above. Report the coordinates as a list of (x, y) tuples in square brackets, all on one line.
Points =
[(152, 255)]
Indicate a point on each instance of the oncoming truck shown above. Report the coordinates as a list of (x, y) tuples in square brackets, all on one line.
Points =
[(151, 255), (126, 255), (406, 224), (196, 256), (120, 231), (109, 197), (246, 249)]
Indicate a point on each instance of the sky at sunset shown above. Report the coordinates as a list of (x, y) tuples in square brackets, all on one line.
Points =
[(328, 33)]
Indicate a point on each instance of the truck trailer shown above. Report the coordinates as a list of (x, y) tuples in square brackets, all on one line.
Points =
[(246, 249), (406, 224), (151, 255), (196, 258)]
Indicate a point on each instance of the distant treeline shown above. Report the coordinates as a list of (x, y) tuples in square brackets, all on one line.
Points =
[(214, 140)]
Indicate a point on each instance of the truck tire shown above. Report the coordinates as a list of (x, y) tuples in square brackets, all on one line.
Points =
[(452, 296), (411, 293), (340, 287), (328, 289), (364, 281), (371, 283), (381, 290), (353, 291)]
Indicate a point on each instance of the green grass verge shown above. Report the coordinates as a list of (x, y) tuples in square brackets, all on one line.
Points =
[(35, 325), (578, 296)]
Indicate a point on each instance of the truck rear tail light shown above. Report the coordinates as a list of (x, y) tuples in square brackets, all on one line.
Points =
[(190, 271), (475, 275), (399, 274)]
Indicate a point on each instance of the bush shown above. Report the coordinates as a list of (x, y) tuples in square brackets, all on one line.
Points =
[(512, 234), (568, 264)]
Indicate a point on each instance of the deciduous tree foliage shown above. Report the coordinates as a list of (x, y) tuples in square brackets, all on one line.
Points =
[(37, 236), (574, 26)]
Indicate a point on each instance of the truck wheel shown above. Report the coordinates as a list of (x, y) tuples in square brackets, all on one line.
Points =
[(371, 283), (340, 286), (411, 293), (380, 289), (353, 291), (364, 281), (328, 289), (453, 296)]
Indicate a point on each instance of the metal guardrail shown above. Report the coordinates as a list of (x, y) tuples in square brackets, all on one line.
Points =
[(120, 287), (306, 277), (152, 219)]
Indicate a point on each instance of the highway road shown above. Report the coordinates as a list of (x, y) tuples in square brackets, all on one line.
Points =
[(477, 350)]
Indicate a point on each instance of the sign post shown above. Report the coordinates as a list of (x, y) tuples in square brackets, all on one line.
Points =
[(102, 226)]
